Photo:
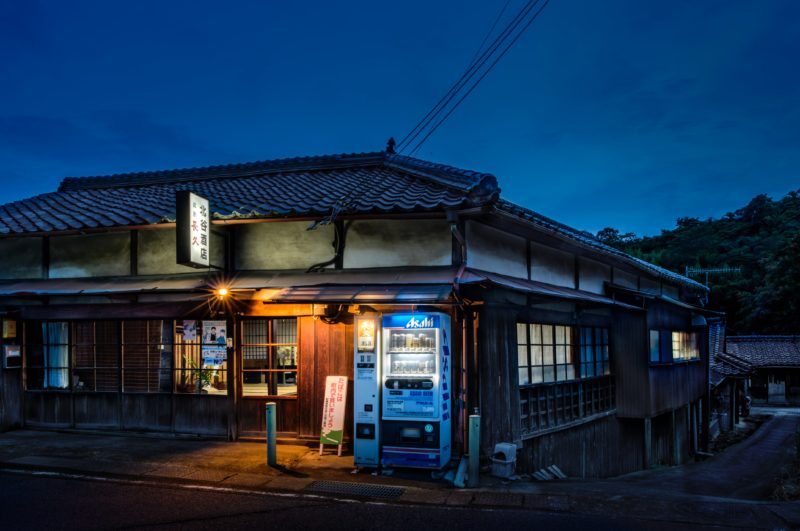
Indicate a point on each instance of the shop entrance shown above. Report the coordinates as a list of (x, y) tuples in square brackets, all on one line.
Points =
[(268, 372)]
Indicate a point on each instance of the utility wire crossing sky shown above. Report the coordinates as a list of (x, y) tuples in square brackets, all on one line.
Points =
[(618, 113)]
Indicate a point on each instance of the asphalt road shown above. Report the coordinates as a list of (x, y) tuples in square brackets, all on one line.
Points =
[(30, 501)]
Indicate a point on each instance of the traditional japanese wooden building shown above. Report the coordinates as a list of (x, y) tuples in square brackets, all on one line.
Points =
[(775, 362), (583, 356), (729, 376)]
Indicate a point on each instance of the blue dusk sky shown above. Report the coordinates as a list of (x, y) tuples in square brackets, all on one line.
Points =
[(620, 113)]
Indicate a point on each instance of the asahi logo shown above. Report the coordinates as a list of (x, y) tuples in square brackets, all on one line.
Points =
[(417, 323)]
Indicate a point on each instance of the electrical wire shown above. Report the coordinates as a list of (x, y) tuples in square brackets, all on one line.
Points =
[(473, 68), (485, 73), (494, 25)]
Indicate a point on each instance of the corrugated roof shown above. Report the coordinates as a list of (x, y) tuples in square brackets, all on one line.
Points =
[(766, 351), (356, 183)]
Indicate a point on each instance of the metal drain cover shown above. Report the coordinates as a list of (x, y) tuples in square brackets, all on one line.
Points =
[(356, 489)]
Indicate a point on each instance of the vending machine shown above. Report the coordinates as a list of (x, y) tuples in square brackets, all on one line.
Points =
[(367, 390), (416, 390)]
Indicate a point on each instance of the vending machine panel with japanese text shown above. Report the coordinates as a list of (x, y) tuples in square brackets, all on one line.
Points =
[(367, 391), (416, 390)]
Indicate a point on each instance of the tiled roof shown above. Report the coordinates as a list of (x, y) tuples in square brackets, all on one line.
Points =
[(766, 351), (321, 186), (589, 240), (308, 186)]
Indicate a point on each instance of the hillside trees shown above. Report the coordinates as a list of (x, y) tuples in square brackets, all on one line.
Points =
[(762, 238)]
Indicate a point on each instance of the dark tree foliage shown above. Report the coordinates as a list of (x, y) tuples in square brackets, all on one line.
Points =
[(762, 238)]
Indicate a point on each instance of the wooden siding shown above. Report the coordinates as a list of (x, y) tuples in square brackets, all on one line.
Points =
[(97, 410), (143, 411), (602, 448), (675, 384), (206, 415), (648, 390), (252, 416), (499, 379), (629, 363), (52, 409), (10, 398), (325, 350)]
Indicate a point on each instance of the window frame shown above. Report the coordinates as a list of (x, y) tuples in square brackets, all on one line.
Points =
[(272, 371), (688, 346), (189, 367), (45, 367), (595, 353), (77, 370)]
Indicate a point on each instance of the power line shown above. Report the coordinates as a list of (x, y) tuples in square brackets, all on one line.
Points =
[(471, 70), (494, 25), (466, 76), (485, 73)]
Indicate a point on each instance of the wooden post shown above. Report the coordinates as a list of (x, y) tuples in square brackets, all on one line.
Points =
[(648, 432)]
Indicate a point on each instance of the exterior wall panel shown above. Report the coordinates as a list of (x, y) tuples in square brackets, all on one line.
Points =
[(22, 258), (493, 250), (156, 252), (629, 363), (552, 266), (393, 243), (593, 276), (603, 448), (90, 255), (625, 279), (282, 245)]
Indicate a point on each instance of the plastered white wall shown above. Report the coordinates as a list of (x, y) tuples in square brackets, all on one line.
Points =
[(391, 243), (593, 275), (623, 278), (552, 266), (282, 245), (90, 255), (493, 250), (156, 252), (21, 258)]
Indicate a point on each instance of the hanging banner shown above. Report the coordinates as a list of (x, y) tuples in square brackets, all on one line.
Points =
[(192, 229), (333, 410), (214, 346)]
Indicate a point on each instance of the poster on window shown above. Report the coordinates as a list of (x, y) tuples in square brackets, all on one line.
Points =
[(214, 343), (333, 410), (13, 357), (9, 329), (189, 330)]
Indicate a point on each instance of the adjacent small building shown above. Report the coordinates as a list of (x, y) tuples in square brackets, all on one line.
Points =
[(729, 377), (776, 366), (585, 357)]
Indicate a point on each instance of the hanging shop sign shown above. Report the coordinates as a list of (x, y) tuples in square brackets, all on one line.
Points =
[(214, 346), (193, 229), (333, 410)]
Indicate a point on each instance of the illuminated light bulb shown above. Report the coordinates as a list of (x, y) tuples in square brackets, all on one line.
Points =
[(222, 292)]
